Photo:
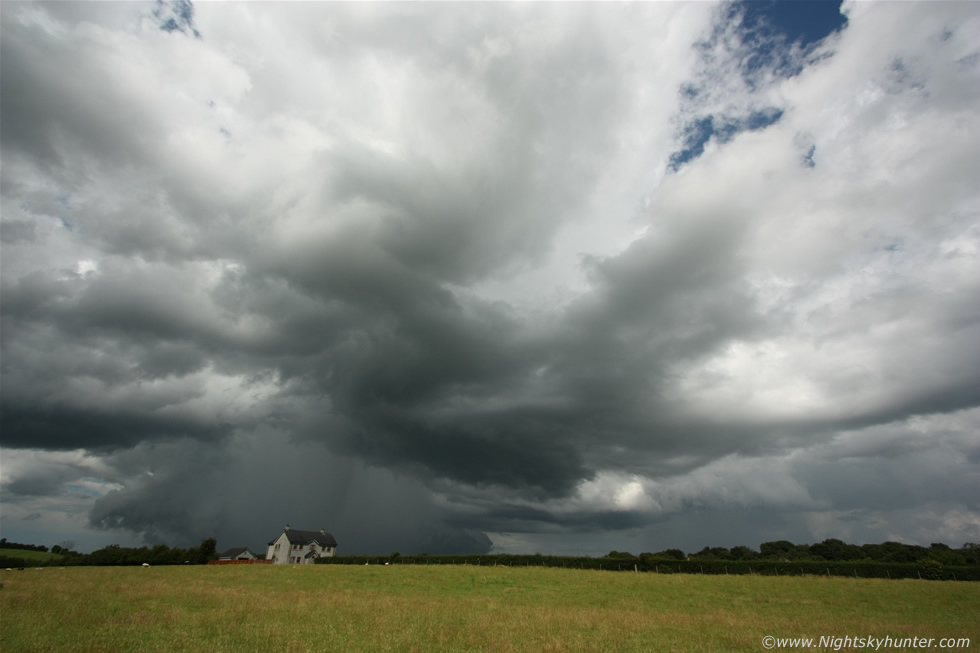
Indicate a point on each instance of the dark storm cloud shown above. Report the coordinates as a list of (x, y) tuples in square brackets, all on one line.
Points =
[(470, 397), (179, 491), (67, 427), (45, 481), (421, 379), (15, 230)]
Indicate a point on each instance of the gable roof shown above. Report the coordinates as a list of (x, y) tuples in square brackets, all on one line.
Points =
[(234, 553), (296, 536)]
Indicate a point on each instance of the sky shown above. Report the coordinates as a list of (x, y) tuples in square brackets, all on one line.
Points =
[(461, 278)]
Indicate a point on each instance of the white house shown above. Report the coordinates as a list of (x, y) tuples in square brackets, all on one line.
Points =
[(297, 547)]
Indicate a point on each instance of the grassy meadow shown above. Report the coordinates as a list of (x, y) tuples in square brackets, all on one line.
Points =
[(457, 608), (28, 555)]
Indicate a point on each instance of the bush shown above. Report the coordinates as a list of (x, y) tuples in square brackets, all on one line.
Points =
[(932, 569)]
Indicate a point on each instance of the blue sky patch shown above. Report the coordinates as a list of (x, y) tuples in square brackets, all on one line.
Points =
[(797, 21), (722, 128), (773, 33)]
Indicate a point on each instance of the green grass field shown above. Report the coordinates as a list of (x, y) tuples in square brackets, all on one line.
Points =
[(24, 554), (457, 608)]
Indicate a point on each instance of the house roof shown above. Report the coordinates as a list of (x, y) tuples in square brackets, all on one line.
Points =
[(296, 536), (234, 553)]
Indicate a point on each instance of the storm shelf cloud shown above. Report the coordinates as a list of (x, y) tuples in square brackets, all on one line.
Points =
[(453, 277)]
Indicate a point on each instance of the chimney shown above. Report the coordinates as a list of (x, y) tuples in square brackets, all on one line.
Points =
[(323, 532), (287, 527)]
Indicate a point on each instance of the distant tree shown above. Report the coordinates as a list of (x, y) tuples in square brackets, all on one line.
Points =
[(776, 550), (898, 552), (971, 552), (721, 553), (833, 549), (743, 553), (942, 553), (712, 553), (107, 556), (159, 555), (676, 554), (208, 549)]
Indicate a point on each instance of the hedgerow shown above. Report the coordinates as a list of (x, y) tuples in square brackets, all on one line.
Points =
[(926, 570)]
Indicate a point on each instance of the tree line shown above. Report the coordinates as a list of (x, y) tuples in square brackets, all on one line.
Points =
[(831, 557), (833, 550), (652, 563), (4, 544), (115, 555), (871, 559)]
